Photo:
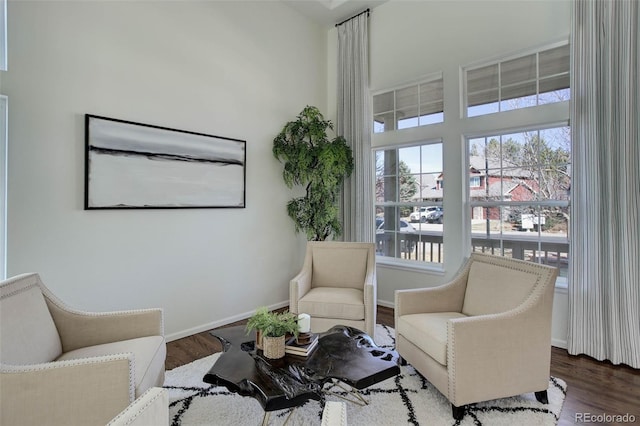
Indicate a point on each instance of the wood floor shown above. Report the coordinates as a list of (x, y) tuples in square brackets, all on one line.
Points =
[(596, 388)]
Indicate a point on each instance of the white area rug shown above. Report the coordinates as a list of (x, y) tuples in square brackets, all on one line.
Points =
[(405, 399)]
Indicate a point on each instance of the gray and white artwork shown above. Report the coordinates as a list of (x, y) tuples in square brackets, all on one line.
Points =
[(131, 165)]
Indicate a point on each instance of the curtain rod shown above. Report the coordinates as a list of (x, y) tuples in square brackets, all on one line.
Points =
[(354, 16)]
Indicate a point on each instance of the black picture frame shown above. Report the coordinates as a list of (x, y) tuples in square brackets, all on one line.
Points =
[(131, 165)]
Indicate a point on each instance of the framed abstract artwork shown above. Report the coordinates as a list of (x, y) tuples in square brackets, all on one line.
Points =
[(136, 166)]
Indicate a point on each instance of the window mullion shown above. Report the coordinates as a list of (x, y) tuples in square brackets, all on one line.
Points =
[(537, 78), (499, 86)]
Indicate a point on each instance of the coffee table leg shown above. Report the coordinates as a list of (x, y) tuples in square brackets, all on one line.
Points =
[(359, 399)]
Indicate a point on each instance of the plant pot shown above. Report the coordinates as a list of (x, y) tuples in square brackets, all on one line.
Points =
[(273, 347)]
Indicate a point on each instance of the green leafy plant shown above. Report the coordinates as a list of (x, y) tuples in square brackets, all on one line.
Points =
[(320, 164), (273, 324)]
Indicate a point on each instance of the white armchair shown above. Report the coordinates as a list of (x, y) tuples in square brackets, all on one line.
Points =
[(337, 285), (60, 366), (484, 335)]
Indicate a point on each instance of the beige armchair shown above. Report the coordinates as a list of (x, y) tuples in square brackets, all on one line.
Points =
[(60, 366), (337, 285), (484, 335)]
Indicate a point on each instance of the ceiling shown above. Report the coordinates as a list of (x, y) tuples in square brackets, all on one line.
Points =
[(330, 12)]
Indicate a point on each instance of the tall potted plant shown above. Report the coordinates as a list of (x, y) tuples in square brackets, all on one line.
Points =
[(273, 327), (320, 164)]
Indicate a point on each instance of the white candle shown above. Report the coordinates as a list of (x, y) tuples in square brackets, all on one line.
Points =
[(304, 323)]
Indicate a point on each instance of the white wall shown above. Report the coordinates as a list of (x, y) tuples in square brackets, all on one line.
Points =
[(233, 69), (410, 40)]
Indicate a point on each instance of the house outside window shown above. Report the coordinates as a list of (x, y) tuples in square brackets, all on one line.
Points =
[(409, 219)]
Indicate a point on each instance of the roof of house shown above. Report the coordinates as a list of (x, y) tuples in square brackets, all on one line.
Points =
[(492, 167)]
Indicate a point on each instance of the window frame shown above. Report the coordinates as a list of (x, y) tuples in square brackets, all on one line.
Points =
[(4, 107), (468, 205), (454, 133), (497, 60), (430, 78), (397, 262)]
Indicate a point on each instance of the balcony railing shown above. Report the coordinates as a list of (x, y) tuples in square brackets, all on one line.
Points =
[(427, 246)]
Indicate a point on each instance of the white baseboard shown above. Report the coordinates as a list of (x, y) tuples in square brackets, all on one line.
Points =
[(219, 323), (386, 304), (559, 343)]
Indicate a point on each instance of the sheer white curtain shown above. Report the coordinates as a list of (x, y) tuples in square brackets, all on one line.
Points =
[(604, 278), (354, 123)]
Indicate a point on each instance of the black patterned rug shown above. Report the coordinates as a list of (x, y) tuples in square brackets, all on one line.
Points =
[(405, 399)]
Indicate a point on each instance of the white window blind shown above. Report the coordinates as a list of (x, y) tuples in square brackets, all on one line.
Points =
[(534, 79), (411, 106)]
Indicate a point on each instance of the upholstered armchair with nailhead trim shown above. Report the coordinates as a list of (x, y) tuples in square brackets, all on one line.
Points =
[(484, 335), (61, 366), (337, 286)]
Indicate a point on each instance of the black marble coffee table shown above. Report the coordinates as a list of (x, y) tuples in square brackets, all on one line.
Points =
[(343, 353)]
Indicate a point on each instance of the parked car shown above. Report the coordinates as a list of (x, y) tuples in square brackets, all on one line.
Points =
[(436, 216), (420, 215), (404, 227)]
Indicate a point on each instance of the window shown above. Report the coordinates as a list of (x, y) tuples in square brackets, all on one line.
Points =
[(517, 182), (411, 106), (522, 209), (409, 213), (538, 78)]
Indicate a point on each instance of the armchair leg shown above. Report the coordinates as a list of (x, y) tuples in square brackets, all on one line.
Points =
[(542, 397), (458, 412)]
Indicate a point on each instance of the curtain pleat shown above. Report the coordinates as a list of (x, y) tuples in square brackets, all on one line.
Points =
[(604, 276), (354, 123)]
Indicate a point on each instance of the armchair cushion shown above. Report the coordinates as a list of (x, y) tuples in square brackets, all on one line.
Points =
[(29, 333), (428, 332), (331, 302), (487, 280), (149, 355)]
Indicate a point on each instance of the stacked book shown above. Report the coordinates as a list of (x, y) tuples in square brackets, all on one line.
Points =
[(302, 347)]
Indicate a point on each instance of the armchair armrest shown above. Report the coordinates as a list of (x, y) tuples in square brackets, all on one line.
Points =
[(299, 286), (445, 298), (514, 345), (79, 329), (448, 297), (152, 408), (370, 304), (89, 391)]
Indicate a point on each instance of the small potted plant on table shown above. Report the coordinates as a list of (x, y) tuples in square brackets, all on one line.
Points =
[(273, 328)]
